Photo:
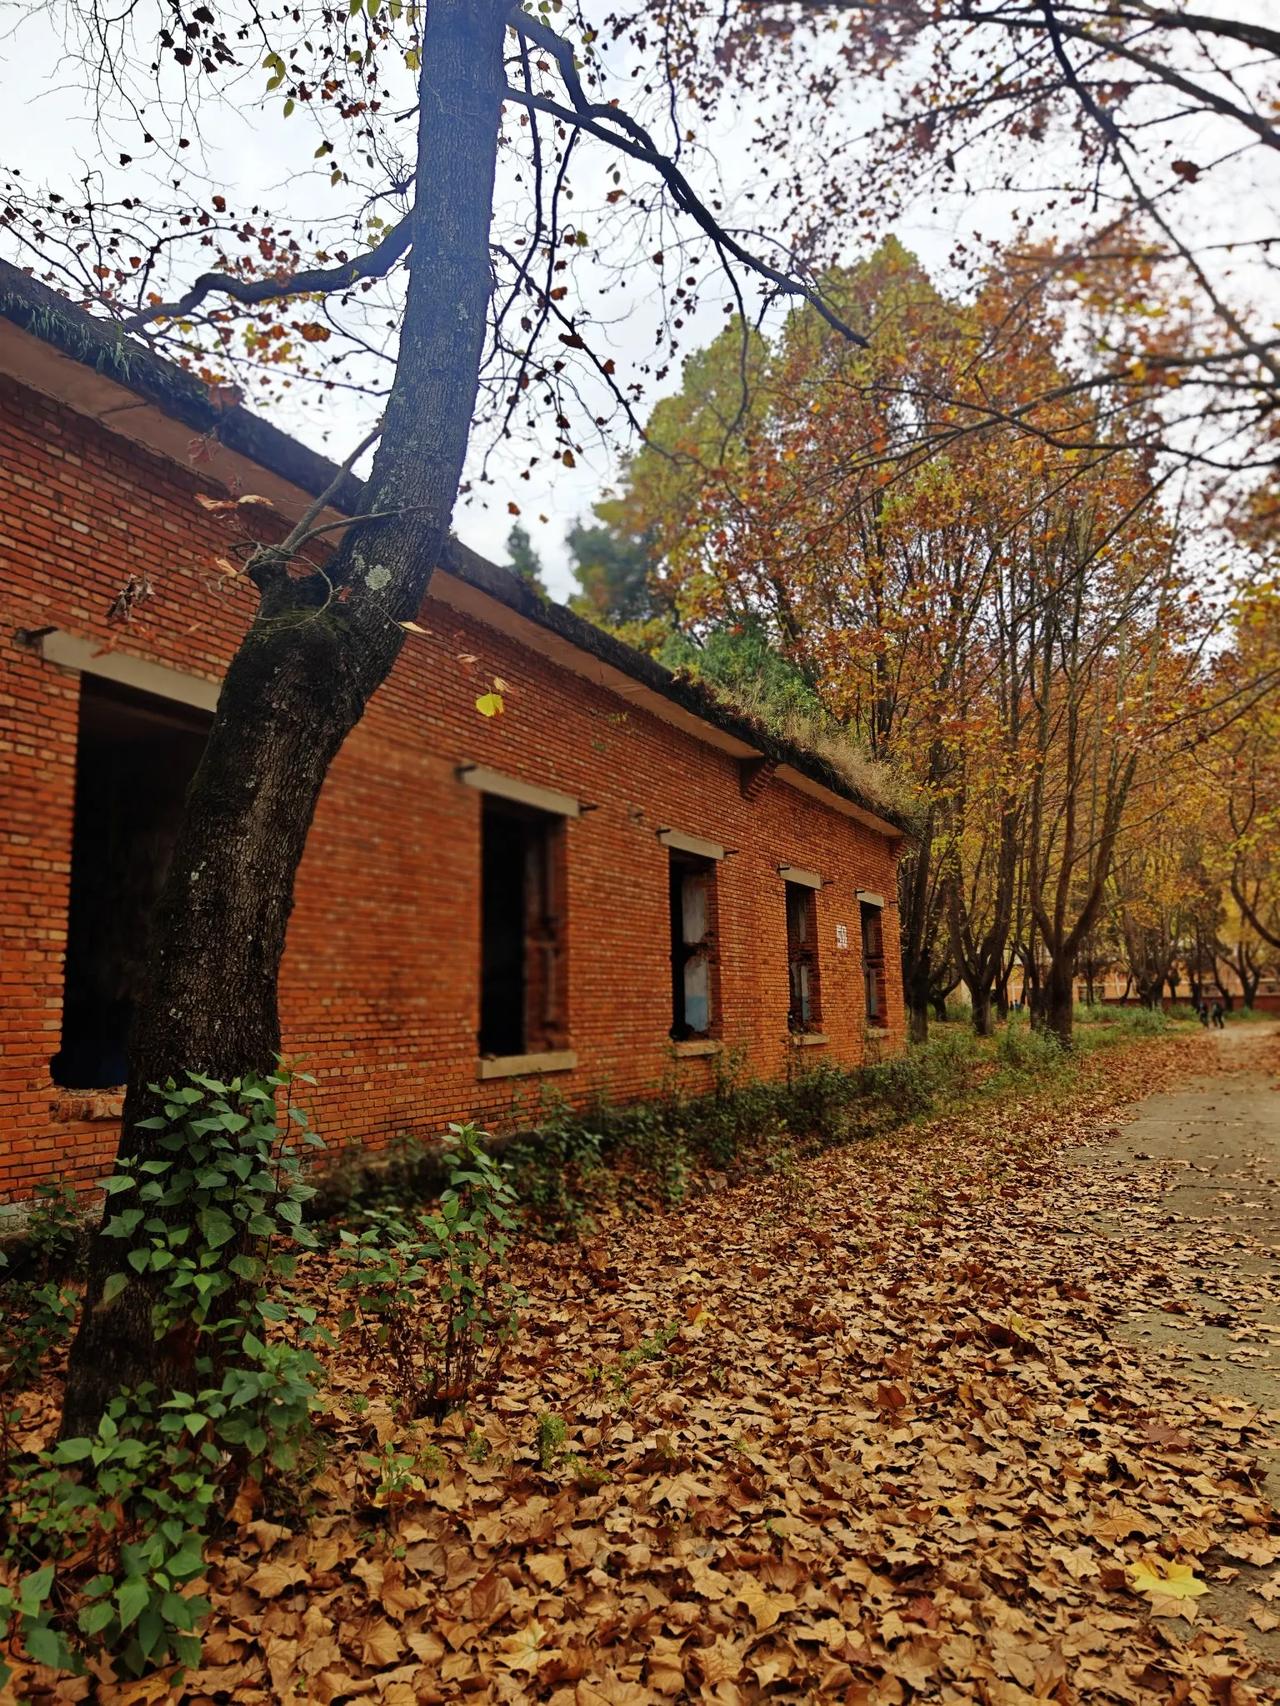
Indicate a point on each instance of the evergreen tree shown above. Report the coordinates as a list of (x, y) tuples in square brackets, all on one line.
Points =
[(525, 562), (611, 567)]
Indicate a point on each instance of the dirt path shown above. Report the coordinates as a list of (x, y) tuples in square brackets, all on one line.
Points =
[(1215, 1144), (1203, 1161)]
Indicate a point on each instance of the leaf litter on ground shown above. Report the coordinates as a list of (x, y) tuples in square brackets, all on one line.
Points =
[(863, 1434)]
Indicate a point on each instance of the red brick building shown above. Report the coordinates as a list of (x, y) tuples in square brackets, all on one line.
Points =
[(610, 883)]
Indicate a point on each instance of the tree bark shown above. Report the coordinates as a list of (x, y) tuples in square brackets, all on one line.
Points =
[(317, 649), (1059, 998), (1249, 973), (917, 998), (983, 1018), (1149, 992), (918, 906)]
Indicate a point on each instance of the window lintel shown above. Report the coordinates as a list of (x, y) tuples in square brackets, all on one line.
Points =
[(522, 793), (797, 874), (682, 843)]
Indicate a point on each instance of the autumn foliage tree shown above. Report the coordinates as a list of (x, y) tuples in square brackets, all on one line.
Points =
[(1238, 772), (1004, 620)]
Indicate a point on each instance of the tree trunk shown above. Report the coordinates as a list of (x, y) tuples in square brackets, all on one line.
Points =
[(917, 1000), (303, 676), (1058, 1005), (983, 1019)]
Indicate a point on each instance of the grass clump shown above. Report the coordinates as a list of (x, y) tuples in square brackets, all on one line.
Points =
[(1026, 1051), (1101, 1025)]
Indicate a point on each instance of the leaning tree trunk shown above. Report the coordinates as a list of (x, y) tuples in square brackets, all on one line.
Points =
[(303, 676)]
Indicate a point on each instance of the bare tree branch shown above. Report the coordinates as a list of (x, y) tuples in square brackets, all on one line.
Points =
[(375, 263)]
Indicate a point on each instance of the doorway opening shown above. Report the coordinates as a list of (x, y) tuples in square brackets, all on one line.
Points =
[(135, 757), (522, 962)]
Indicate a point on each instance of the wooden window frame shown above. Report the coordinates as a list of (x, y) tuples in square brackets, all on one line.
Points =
[(871, 932), (543, 952), (804, 970), (682, 866)]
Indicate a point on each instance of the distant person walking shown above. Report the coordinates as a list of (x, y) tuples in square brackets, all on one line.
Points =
[(1219, 1017), (1202, 1013)]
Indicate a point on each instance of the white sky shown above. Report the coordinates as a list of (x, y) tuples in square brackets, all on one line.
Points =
[(45, 128)]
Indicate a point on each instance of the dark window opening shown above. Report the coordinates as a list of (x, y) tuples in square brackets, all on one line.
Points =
[(522, 961), (873, 962), (135, 757), (691, 893), (804, 1012)]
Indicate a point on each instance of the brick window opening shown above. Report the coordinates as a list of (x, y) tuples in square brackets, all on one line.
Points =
[(691, 891), (804, 1012), (135, 757), (522, 958), (873, 962)]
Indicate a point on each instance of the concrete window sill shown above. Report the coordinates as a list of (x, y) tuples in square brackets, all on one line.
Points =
[(808, 1039), (526, 1065), (877, 1030), (696, 1047), (81, 1105)]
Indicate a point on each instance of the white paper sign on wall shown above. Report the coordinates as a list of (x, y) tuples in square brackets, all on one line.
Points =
[(842, 935)]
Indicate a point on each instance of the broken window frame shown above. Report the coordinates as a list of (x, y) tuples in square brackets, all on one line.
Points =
[(687, 874), (543, 961), (804, 980)]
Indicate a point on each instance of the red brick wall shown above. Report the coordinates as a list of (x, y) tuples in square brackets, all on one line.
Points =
[(381, 980)]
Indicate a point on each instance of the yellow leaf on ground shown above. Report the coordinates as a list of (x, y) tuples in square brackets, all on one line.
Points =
[(1181, 1581), (382, 1645), (525, 1650)]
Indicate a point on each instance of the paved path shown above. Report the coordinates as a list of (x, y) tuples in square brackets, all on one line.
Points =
[(1204, 1159)]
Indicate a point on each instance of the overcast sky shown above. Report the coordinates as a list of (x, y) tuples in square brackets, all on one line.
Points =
[(47, 128)]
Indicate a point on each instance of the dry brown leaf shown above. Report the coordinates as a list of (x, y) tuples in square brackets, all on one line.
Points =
[(276, 1576)]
